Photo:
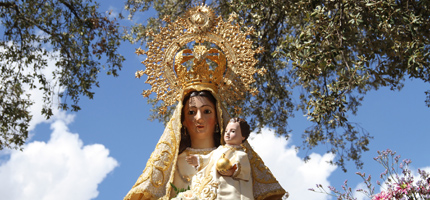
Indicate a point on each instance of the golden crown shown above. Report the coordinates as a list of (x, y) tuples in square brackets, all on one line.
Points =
[(232, 58)]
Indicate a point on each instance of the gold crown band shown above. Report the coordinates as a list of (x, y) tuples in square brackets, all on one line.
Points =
[(204, 85)]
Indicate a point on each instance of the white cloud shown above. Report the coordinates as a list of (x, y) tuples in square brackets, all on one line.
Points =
[(37, 95), (62, 168), (290, 170)]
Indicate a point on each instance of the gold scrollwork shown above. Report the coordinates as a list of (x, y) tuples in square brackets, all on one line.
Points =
[(159, 162), (207, 187), (256, 161)]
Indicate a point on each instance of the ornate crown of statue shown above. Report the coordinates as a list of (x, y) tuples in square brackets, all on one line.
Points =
[(233, 56)]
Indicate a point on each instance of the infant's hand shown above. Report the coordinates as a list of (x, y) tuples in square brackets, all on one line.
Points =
[(229, 172), (192, 160)]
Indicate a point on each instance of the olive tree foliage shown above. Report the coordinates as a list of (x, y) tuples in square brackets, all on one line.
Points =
[(321, 57), (71, 32)]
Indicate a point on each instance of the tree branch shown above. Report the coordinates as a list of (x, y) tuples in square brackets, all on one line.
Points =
[(7, 4), (55, 36), (72, 9)]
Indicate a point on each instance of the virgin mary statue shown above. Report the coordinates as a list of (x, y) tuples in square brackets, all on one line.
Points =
[(216, 72)]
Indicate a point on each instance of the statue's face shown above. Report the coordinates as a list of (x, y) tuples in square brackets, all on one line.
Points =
[(199, 118), (233, 134)]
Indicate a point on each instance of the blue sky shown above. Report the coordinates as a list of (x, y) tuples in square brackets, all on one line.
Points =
[(99, 152)]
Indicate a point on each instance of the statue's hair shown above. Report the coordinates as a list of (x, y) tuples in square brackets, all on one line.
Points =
[(244, 126), (185, 137)]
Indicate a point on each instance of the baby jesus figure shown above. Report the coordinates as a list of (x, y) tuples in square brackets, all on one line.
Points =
[(225, 173)]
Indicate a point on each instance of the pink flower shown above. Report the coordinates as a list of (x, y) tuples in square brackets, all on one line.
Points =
[(403, 188), (382, 196)]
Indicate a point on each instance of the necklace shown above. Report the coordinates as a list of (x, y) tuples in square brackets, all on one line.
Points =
[(204, 151)]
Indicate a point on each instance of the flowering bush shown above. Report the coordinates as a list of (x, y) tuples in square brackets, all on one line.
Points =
[(398, 182)]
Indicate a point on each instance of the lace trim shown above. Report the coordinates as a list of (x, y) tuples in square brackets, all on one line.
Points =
[(205, 151), (276, 194)]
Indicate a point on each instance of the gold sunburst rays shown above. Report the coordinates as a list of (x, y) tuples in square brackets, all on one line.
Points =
[(234, 56)]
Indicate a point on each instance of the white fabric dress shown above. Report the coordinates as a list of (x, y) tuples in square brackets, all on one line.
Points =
[(184, 171), (209, 184)]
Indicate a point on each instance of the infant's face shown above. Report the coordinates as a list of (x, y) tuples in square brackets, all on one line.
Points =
[(233, 134)]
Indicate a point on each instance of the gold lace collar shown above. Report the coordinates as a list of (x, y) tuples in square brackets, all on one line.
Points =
[(205, 151)]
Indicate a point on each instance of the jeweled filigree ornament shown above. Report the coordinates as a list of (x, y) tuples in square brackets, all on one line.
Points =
[(200, 19), (166, 61)]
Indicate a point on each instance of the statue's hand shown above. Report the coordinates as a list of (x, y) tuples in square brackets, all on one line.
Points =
[(192, 160), (229, 172)]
